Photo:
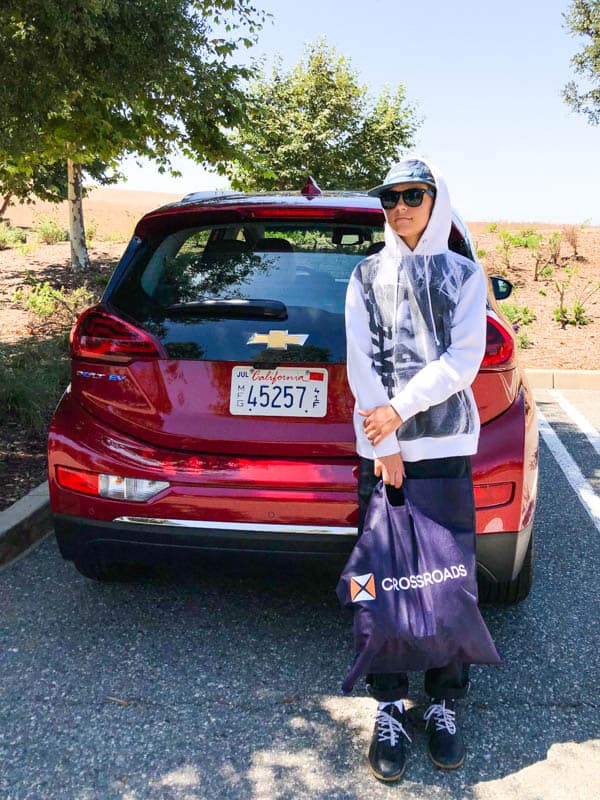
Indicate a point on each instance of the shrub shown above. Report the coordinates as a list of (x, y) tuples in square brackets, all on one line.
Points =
[(9, 237), (517, 315), (52, 309), (576, 313), (49, 231), (571, 234), (33, 374), (523, 340), (554, 244), (91, 229), (492, 227), (506, 246)]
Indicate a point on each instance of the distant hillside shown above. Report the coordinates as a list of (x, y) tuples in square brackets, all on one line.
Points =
[(113, 210)]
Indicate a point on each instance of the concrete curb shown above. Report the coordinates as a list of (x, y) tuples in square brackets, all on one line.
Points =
[(29, 519), (24, 523), (564, 378)]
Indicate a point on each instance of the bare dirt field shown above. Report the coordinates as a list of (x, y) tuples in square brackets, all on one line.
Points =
[(114, 213)]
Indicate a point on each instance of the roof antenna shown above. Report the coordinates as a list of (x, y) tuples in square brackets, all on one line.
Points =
[(311, 188)]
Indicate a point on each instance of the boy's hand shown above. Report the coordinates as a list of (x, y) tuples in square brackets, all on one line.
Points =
[(380, 422), (390, 469)]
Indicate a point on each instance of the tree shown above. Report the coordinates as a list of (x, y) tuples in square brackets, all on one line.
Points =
[(317, 119), (25, 179), (583, 19), (88, 80)]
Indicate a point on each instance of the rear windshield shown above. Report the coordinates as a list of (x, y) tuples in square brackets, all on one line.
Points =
[(304, 266)]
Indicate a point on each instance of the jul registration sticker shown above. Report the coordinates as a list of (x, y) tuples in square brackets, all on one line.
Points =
[(278, 392)]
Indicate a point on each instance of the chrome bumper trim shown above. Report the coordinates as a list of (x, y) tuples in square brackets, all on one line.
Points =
[(322, 530)]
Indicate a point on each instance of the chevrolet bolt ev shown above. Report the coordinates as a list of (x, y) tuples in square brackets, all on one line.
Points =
[(208, 408)]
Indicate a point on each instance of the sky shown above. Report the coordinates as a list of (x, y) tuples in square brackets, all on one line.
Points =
[(485, 76)]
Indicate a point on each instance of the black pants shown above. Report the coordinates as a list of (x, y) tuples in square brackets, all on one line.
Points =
[(448, 682)]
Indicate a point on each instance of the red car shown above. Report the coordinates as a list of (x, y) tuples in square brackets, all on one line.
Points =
[(208, 408)]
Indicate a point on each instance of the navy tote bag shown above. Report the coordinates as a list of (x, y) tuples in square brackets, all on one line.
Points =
[(411, 580)]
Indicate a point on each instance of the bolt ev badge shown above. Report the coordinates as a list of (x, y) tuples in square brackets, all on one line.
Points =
[(277, 340)]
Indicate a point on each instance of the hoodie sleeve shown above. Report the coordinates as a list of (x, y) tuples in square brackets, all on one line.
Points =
[(457, 367), (365, 383)]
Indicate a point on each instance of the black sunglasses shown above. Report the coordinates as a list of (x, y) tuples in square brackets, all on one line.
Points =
[(410, 197)]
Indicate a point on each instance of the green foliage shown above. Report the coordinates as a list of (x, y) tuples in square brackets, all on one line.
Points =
[(523, 340), (9, 237), (33, 374), (481, 253), (23, 177), (99, 79), (492, 227), (49, 231), (554, 245), (318, 119), (506, 247), (52, 309), (583, 20), (100, 279), (574, 313), (517, 315), (91, 229)]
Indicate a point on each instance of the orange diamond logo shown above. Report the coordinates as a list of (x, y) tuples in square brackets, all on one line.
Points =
[(362, 587)]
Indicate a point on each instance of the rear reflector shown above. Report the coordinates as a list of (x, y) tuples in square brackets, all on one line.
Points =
[(78, 480), (499, 345), (493, 494), (114, 487), (102, 336)]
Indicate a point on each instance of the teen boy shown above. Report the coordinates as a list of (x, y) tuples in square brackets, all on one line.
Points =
[(415, 324)]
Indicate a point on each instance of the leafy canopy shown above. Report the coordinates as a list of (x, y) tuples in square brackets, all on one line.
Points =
[(25, 177), (583, 19), (99, 79), (317, 119)]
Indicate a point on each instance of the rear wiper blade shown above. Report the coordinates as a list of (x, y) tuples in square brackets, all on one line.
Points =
[(235, 307)]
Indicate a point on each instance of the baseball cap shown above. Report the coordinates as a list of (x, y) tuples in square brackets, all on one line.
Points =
[(410, 171)]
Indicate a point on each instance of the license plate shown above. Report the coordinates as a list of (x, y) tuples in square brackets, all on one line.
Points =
[(279, 392)]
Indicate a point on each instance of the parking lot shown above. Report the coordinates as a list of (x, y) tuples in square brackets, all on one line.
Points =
[(223, 681)]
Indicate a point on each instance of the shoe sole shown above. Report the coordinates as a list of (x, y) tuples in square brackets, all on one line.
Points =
[(388, 780), (446, 766)]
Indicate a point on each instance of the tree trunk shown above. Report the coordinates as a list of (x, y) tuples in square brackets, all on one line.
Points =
[(4, 203), (79, 254)]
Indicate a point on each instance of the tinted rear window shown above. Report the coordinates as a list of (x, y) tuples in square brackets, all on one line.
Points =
[(304, 266)]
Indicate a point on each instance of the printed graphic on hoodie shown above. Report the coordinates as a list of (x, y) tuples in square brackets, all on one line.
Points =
[(410, 321)]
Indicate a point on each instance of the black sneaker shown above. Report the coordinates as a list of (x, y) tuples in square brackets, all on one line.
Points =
[(387, 757), (446, 745)]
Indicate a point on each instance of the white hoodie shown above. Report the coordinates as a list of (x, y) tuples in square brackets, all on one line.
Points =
[(416, 326)]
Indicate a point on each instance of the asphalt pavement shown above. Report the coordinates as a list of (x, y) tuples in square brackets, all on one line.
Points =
[(223, 681)]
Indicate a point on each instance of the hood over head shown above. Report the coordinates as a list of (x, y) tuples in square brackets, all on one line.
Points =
[(434, 239)]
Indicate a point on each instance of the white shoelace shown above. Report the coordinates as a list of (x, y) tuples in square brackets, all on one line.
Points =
[(444, 717), (389, 728)]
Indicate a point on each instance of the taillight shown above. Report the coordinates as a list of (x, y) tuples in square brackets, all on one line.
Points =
[(78, 480), (499, 345), (488, 495), (100, 335), (114, 487)]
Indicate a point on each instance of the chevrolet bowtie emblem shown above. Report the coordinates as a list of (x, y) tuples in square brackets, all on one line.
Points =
[(277, 340), (362, 587)]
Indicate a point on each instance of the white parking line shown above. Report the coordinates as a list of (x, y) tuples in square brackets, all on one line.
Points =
[(589, 500), (582, 422)]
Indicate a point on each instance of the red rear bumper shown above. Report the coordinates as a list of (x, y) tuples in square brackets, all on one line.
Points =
[(299, 497)]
